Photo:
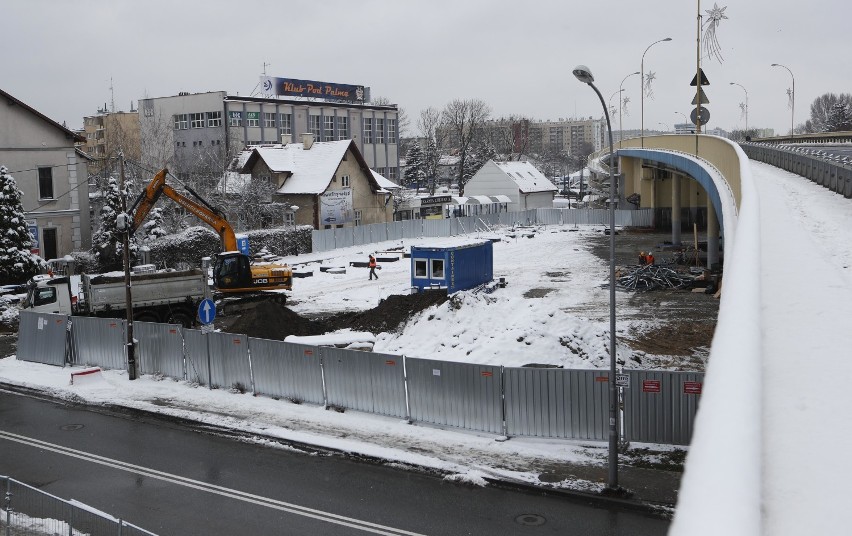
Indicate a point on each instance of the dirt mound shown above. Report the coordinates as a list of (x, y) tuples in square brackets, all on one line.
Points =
[(270, 320)]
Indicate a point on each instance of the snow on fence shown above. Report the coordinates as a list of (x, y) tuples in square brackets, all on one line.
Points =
[(660, 406)]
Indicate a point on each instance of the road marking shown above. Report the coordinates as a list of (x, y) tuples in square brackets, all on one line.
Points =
[(321, 515)]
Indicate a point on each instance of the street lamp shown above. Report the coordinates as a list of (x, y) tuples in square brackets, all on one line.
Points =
[(620, 133), (668, 128), (792, 96), (642, 87), (584, 75), (685, 120), (746, 104)]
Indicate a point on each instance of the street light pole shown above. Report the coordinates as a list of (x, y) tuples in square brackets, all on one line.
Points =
[(746, 104), (642, 87), (620, 132), (685, 119), (792, 97), (584, 75)]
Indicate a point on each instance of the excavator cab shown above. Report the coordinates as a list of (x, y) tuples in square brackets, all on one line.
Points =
[(232, 271)]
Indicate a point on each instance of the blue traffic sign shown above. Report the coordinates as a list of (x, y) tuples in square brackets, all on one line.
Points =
[(206, 311)]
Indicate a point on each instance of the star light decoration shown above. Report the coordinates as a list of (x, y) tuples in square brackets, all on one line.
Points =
[(789, 98), (711, 43), (624, 104), (742, 109), (649, 78)]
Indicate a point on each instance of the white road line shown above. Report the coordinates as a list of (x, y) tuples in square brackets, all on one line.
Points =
[(211, 488)]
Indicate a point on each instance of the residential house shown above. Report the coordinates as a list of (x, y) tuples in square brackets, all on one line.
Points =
[(525, 186), (51, 173), (329, 181)]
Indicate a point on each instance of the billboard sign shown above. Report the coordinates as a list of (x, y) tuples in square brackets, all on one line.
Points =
[(32, 225), (336, 207), (291, 87)]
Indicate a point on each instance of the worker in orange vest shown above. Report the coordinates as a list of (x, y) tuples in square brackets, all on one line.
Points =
[(649, 258), (372, 265)]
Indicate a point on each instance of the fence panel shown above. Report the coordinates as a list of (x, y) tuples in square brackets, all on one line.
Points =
[(463, 395), (160, 349), (365, 381), (99, 341), (42, 338), (287, 370), (557, 403), (229, 359), (660, 406)]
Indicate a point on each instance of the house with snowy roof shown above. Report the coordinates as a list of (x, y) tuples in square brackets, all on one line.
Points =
[(329, 182), (51, 172), (525, 186)]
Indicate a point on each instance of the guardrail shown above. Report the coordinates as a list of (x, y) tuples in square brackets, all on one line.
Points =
[(834, 175), (506, 401), (27, 510)]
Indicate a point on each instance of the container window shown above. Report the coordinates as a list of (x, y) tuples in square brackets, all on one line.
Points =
[(420, 269), (437, 268)]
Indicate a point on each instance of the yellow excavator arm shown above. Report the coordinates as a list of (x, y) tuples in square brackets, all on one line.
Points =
[(157, 187)]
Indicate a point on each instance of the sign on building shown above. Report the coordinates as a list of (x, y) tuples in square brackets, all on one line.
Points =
[(336, 207), (291, 87)]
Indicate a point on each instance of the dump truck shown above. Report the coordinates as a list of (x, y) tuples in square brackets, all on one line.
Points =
[(168, 296)]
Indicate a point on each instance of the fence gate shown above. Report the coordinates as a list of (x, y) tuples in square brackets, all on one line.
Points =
[(660, 406)]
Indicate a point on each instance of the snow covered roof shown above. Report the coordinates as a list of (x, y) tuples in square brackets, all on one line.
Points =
[(309, 170), (385, 184), (526, 176), (501, 198)]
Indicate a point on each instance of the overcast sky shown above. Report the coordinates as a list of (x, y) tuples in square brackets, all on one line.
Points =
[(59, 56)]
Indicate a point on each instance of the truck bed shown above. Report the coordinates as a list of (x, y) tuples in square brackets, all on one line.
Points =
[(102, 292)]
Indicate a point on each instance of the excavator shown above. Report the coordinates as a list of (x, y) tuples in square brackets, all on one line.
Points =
[(233, 272)]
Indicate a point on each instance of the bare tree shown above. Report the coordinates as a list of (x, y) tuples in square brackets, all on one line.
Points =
[(821, 110), (429, 123), (510, 136), (464, 121)]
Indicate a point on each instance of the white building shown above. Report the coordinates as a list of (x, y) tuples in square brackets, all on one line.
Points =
[(525, 186)]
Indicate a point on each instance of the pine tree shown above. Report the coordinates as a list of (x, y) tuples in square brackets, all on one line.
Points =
[(432, 158), (17, 264), (839, 118), (107, 242), (415, 166)]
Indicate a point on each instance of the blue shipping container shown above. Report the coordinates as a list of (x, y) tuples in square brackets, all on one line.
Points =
[(453, 268)]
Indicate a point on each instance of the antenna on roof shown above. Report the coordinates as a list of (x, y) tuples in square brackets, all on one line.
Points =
[(111, 97)]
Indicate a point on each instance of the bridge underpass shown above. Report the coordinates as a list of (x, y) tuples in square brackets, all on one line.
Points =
[(768, 452)]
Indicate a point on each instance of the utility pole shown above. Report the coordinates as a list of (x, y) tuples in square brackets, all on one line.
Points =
[(124, 227)]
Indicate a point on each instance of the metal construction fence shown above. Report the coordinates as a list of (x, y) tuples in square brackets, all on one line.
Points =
[(331, 239), (835, 176), (658, 406), (27, 510)]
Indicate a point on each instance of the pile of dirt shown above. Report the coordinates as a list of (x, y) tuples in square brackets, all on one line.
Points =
[(270, 320)]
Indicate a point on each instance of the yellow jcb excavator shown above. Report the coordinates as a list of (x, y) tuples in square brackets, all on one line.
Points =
[(233, 272)]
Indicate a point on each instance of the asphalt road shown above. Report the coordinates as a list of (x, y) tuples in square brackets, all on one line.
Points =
[(171, 479)]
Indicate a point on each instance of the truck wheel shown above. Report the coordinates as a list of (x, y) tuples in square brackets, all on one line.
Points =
[(181, 318), (146, 317)]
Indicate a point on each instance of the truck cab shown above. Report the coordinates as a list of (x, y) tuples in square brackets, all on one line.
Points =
[(46, 294)]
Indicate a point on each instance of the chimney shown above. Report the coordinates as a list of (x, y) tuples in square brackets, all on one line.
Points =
[(286, 138), (307, 140)]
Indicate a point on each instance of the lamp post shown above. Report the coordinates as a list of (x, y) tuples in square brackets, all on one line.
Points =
[(642, 87), (620, 132), (685, 119), (746, 103), (584, 75), (792, 96), (668, 128)]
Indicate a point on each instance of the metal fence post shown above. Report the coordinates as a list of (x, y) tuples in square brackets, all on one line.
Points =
[(322, 375), (7, 500)]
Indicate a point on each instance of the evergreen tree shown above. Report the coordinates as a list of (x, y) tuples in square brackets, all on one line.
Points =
[(839, 118), (432, 158), (415, 166), (17, 264), (107, 242)]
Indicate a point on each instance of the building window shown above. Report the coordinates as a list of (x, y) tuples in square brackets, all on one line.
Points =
[(269, 120), (342, 128), (380, 130), (391, 130), (357, 218), (420, 269), (196, 120), (252, 119), (437, 268), (214, 119), (235, 119), (181, 122), (286, 121), (289, 218), (45, 183), (344, 181), (315, 127), (328, 128), (368, 130), (393, 173)]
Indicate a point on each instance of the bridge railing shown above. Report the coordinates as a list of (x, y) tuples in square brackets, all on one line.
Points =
[(835, 176)]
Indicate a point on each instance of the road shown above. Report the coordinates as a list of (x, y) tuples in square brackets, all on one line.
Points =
[(171, 479)]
